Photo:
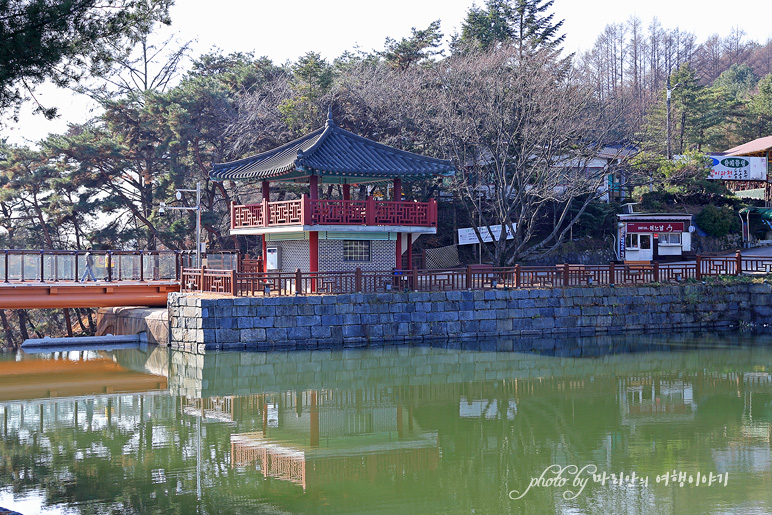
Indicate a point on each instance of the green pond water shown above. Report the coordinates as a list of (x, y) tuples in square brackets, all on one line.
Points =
[(463, 428)]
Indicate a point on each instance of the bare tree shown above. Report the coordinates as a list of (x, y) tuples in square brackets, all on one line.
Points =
[(522, 129)]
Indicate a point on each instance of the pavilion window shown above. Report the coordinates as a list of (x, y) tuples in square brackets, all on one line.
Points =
[(356, 250)]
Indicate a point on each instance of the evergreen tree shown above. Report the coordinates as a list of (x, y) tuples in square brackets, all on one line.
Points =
[(60, 41), (759, 120), (423, 44), (524, 23)]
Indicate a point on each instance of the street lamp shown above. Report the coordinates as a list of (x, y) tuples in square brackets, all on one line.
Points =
[(197, 208)]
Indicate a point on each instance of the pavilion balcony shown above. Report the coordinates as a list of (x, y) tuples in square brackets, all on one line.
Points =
[(306, 212)]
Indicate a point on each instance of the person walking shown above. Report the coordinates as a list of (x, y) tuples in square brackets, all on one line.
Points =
[(89, 272)]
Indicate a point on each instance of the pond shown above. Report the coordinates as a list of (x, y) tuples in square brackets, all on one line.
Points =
[(684, 421)]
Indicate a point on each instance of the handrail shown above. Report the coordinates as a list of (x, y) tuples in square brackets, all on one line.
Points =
[(54, 265), (306, 211), (469, 278)]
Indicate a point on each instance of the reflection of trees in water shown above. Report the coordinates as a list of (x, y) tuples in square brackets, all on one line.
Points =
[(140, 453)]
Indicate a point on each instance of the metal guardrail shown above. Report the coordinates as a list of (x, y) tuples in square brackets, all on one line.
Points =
[(45, 266), (473, 277)]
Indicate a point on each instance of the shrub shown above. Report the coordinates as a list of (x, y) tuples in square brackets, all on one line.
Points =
[(718, 221)]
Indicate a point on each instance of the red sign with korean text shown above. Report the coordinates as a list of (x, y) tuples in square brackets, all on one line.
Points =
[(655, 227)]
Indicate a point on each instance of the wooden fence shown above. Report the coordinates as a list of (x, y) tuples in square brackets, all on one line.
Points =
[(473, 277)]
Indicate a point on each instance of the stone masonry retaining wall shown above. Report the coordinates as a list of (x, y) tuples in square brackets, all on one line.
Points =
[(199, 323)]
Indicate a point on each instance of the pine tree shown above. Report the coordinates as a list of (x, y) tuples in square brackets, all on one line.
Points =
[(523, 23), (61, 41)]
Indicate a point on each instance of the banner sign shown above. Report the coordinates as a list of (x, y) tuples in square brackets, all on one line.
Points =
[(738, 168), (467, 235), (655, 227)]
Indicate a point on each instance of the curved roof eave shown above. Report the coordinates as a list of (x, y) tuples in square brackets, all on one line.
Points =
[(334, 151)]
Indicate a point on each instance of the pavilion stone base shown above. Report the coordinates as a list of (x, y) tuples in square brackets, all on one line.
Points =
[(199, 324)]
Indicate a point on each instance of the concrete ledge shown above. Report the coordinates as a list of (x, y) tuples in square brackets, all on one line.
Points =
[(152, 324)]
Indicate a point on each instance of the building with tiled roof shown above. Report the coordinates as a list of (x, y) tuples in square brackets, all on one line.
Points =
[(318, 235)]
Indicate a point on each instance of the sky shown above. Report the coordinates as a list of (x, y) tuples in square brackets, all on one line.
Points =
[(283, 31)]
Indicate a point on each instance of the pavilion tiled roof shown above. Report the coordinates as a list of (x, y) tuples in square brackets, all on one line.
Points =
[(336, 155)]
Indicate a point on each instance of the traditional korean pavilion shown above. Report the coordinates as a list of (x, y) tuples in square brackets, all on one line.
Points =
[(324, 235)]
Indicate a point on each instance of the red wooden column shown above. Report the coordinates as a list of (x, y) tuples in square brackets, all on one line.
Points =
[(347, 192), (313, 256), (397, 193), (266, 190), (313, 187), (398, 264), (410, 251), (313, 236), (266, 187)]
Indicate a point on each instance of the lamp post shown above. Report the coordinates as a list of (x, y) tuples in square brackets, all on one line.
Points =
[(196, 208)]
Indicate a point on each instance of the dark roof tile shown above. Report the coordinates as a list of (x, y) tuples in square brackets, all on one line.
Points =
[(332, 151)]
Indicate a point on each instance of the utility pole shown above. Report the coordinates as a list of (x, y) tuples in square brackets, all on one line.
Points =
[(669, 92), (669, 152)]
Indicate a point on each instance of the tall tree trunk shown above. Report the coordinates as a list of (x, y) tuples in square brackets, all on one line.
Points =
[(79, 315), (68, 321), (91, 325), (22, 314), (6, 329)]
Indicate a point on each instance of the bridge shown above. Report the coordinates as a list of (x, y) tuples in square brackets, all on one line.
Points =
[(41, 279)]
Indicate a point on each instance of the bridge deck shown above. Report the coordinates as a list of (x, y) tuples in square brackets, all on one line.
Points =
[(71, 294)]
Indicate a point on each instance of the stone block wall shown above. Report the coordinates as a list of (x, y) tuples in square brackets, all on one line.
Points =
[(199, 324)]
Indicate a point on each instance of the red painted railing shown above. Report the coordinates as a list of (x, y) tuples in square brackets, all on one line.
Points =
[(334, 212), (470, 278)]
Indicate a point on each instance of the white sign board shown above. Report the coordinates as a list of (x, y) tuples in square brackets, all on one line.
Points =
[(467, 235), (738, 168)]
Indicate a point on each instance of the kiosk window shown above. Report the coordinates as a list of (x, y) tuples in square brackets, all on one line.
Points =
[(631, 241), (645, 240), (670, 238)]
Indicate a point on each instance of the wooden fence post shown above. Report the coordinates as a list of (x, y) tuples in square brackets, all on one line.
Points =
[(298, 281), (468, 277), (656, 271), (517, 276), (109, 264), (738, 263), (358, 279), (698, 270), (414, 273), (42, 266), (611, 274), (201, 284), (566, 277), (234, 290)]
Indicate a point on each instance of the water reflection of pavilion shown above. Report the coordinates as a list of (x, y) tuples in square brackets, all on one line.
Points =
[(315, 437)]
